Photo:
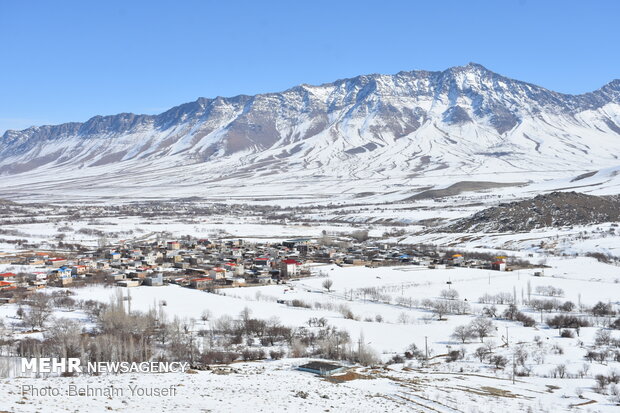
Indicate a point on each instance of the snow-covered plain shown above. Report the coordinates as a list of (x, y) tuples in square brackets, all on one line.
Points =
[(278, 387), (461, 386)]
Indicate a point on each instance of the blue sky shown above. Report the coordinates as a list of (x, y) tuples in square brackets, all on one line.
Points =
[(70, 60)]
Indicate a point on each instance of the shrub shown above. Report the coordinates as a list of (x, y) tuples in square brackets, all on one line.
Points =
[(602, 337), (218, 357), (567, 334), (602, 309), (396, 359), (498, 361), (300, 303), (454, 355), (346, 312), (413, 352), (567, 321), (250, 355), (567, 307), (527, 321)]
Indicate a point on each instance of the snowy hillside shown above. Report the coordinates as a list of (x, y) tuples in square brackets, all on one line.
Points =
[(373, 134)]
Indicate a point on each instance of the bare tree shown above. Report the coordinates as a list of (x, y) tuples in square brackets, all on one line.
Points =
[(481, 353), (205, 316), (449, 294), (462, 333), (440, 308), (327, 284), (482, 327), (40, 311)]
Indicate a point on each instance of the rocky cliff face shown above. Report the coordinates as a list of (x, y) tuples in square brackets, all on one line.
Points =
[(557, 209)]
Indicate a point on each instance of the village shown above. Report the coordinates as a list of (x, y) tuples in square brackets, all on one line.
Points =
[(349, 307), (205, 264)]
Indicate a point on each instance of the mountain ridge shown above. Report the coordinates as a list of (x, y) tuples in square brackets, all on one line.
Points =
[(461, 121), (613, 86)]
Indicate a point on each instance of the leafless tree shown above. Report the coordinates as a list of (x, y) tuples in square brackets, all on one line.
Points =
[(462, 333), (482, 327), (327, 284), (205, 316), (40, 311)]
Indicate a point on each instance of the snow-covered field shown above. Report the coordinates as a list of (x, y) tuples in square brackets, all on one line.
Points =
[(584, 280), (461, 386), (278, 387)]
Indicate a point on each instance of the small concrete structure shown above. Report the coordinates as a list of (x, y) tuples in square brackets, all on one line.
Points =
[(128, 283), (321, 368)]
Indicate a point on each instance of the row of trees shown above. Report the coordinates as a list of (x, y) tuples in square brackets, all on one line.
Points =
[(122, 335)]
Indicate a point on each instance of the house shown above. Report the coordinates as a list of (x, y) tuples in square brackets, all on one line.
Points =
[(7, 276), (498, 266), (38, 275), (103, 265), (5, 285), (37, 283), (173, 245), (289, 268), (261, 262), (295, 243), (237, 282), (35, 260), (155, 280), (201, 283), (264, 278), (128, 283), (63, 272), (56, 262), (236, 269), (457, 259), (321, 368), (79, 269), (218, 273)]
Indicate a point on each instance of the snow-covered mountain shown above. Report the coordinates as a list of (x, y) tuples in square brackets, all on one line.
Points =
[(373, 133)]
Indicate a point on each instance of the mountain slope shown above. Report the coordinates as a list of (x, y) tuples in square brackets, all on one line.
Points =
[(384, 130)]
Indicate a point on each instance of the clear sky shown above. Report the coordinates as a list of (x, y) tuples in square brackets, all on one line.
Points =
[(70, 60)]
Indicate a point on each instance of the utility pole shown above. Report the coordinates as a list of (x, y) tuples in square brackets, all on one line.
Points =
[(426, 346), (506, 336), (128, 301), (514, 366), (359, 348)]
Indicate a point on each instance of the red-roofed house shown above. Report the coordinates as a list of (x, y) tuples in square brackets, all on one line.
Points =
[(218, 273), (201, 283), (5, 285), (7, 276), (499, 266), (289, 268)]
